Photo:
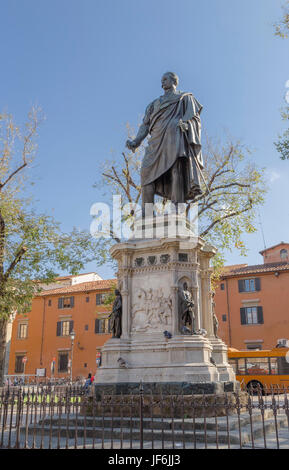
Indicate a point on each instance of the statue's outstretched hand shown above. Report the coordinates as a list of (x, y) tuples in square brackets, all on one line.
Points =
[(131, 145)]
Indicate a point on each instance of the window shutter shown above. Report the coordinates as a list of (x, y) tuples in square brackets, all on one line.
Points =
[(241, 285), (58, 328), (257, 283), (260, 315), (96, 327), (71, 302), (243, 316), (60, 302), (70, 326)]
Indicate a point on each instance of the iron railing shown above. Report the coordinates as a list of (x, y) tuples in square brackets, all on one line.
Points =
[(56, 417)]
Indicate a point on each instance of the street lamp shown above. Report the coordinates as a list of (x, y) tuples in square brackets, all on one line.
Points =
[(72, 337)]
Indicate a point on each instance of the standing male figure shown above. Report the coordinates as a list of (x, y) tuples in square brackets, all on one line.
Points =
[(186, 309), (173, 159), (116, 316)]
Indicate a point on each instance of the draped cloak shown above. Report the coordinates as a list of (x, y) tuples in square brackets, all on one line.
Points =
[(168, 142)]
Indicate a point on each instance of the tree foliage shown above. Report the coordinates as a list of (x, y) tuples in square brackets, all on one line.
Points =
[(282, 27), (282, 145), (32, 246), (282, 30)]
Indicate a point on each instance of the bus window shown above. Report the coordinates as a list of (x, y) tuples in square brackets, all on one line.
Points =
[(258, 365), (241, 367), (283, 366), (274, 365)]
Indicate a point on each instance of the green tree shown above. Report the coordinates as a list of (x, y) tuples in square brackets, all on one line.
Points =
[(32, 246), (227, 208), (282, 30)]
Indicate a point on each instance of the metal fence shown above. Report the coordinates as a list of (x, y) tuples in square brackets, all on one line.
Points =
[(62, 417)]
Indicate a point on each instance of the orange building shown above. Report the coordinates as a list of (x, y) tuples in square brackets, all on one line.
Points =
[(252, 301), (43, 334)]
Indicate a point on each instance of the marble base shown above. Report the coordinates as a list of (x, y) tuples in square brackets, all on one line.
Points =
[(151, 273), (179, 359)]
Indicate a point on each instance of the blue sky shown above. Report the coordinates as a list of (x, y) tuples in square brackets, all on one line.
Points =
[(94, 65)]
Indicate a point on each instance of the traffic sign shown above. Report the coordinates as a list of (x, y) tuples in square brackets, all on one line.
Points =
[(24, 359)]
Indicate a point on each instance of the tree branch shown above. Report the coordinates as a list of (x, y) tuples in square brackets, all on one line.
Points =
[(233, 214), (21, 251)]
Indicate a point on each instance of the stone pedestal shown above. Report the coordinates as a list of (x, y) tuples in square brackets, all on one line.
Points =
[(150, 273)]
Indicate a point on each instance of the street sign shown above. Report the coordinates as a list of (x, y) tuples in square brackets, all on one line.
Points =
[(24, 359)]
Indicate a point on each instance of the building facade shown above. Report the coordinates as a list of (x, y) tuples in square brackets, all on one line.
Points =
[(41, 339), (252, 301)]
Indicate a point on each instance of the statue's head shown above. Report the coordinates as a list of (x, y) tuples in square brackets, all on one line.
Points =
[(169, 80), (116, 292), (185, 286)]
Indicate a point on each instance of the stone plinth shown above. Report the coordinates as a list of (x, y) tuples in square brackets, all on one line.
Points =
[(150, 273), (178, 406)]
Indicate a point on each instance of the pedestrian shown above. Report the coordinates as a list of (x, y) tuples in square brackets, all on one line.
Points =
[(87, 383)]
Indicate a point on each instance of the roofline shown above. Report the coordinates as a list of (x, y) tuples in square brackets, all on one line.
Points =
[(271, 247), (69, 276), (255, 271), (76, 289)]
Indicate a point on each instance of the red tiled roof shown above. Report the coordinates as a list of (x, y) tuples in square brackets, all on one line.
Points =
[(82, 287), (233, 267), (257, 268)]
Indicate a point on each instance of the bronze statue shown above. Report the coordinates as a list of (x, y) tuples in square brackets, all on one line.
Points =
[(215, 319), (116, 316), (186, 311), (172, 164)]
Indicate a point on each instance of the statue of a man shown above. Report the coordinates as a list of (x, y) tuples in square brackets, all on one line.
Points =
[(173, 159), (215, 319), (186, 310), (116, 315)]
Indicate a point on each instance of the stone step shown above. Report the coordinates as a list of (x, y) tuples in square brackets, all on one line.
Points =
[(156, 423), (161, 434)]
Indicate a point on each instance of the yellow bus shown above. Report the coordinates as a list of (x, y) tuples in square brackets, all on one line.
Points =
[(261, 370)]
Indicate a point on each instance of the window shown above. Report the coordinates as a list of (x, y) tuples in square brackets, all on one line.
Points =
[(222, 286), (251, 315), (22, 331), (254, 347), (274, 365), (101, 326), (283, 366), (224, 317), (249, 285), (63, 362), (49, 303), (100, 298), (19, 365), (87, 299), (86, 327), (66, 302), (64, 328), (283, 254), (258, 365)]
